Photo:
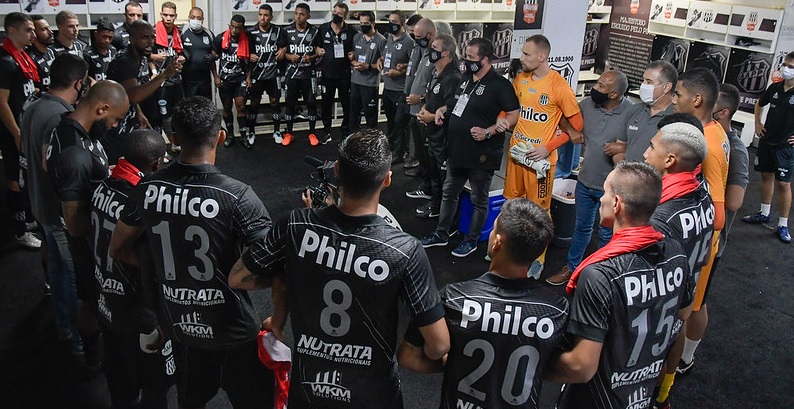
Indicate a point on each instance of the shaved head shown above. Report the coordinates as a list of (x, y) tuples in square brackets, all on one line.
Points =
[(107, 91)]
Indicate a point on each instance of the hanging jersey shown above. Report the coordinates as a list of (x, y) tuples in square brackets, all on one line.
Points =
[(98, 63), (265, 44), (197, 221), (503, 333), (349, 274), (543, 103)]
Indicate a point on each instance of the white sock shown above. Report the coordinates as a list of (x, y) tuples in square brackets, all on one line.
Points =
[(689, 350), (765, 208), (782, 221)]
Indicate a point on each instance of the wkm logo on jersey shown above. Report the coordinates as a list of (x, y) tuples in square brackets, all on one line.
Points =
[(191, 325), (327, 385)]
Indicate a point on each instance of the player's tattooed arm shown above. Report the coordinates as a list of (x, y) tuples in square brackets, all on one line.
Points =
[(242, 278)]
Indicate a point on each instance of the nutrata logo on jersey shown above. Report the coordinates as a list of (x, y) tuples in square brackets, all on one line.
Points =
[(202, 297), (176, 200), (327, 385), (649, 286), (529, 114), (343, 257), (106, 200), (638, 375), (191, 325), (694, 221), (108, 285), (340, 353), (509, 321)]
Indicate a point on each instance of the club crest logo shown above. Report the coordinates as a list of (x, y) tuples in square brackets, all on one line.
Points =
[(464, 37), (544, 99), (753, 74), (565, 69), (502, 40), (590, 42)]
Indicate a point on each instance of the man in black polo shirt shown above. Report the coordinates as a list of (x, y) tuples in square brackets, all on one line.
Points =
[(18, 75), (367, 48), (268, 48), (213, 327), (123, 314), (504, 326), (303, 49), (199, 68), (233, 49), (336, 37), (775, 156), (393, 66), (476, 141), (132, 70), (101, 52), (121, 36), (440, 93), (345, 271), (626, 299), (67, 40), (76, 164), (38, 51)]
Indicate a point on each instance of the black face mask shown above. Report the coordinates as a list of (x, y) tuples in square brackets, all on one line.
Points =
[(366, 28), (337, 19), (422, 42), (472, 66), (413, 37), (598, 97), (434, 56), (394, 28)]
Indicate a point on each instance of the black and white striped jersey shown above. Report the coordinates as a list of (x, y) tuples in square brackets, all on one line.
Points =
[(265, 44), (197, 221), (629, 304), (345, 276), (502, 334)]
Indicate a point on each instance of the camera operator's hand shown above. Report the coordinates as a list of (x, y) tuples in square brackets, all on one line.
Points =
[(306, 198)]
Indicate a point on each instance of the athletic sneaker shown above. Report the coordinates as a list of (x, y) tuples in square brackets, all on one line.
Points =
[(313, 141), (433, 240), (411, 163), (277, 137), (757, 218), (28, 240), (229, 141), (465, 248), (31, 226), (684, 368), (535, 270), (427, 211), (249, 141), (418, 194), (287, 139), (783, 234), (326, 138)]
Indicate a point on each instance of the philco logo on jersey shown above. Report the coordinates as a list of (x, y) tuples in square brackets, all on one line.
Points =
[(509, 321), (641, 289), (531, 115), (347, 354), (105, 200), (179, 202), (694, 221), (266, 48), (191, 325), (640, 375), (343, 258), (327, 385), (203, 297), (300, 48), (28, 88)]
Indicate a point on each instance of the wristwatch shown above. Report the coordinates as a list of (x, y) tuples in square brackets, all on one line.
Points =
[(487, 134)]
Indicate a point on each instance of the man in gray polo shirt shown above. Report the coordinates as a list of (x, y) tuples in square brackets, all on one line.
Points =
[(420, 71), (656, 93), (394, 65), (604, 115), (69, 73), (367, 48)]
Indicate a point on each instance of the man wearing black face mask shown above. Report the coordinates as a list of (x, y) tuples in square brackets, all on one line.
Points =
[(420, 70), (604, 114), (337, 40), (367, 48), (475, 142), (394, 64)]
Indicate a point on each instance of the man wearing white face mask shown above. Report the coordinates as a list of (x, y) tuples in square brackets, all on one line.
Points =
[(656, 93), (199, 64)]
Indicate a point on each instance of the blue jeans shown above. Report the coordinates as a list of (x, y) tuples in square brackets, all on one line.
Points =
[(567, 159), (480, 182), (588, 201), (60, 274)]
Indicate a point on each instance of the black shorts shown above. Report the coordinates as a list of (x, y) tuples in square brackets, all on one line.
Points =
[(200, 372), (260, 87), (128, 369), (229, 90), (10, 155), (85, 281), (775, 159)]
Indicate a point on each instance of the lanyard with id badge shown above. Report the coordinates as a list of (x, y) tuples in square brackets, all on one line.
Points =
[(463, 99), (339, 48)]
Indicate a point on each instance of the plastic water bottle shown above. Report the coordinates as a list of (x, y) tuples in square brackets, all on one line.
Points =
[(163, 107)]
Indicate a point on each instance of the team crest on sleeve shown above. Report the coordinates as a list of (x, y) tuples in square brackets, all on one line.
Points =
[(544, 99)]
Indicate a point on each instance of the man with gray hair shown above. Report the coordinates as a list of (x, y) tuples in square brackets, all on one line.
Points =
[(685, 212), (604, 114)]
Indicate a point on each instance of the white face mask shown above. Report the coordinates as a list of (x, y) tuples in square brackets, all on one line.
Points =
[(195, 25), (788, 73), (646, 93)]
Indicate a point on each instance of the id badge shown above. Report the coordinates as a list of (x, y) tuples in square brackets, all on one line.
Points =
[(362, 58), (460, 106), (410, 66), (387, 61), (339, 50)]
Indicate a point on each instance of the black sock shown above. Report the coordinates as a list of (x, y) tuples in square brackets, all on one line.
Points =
[(16, 203), (288, 119), (276, 119), (251, 118), (241, 123), (312, 123), (229, 127)]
